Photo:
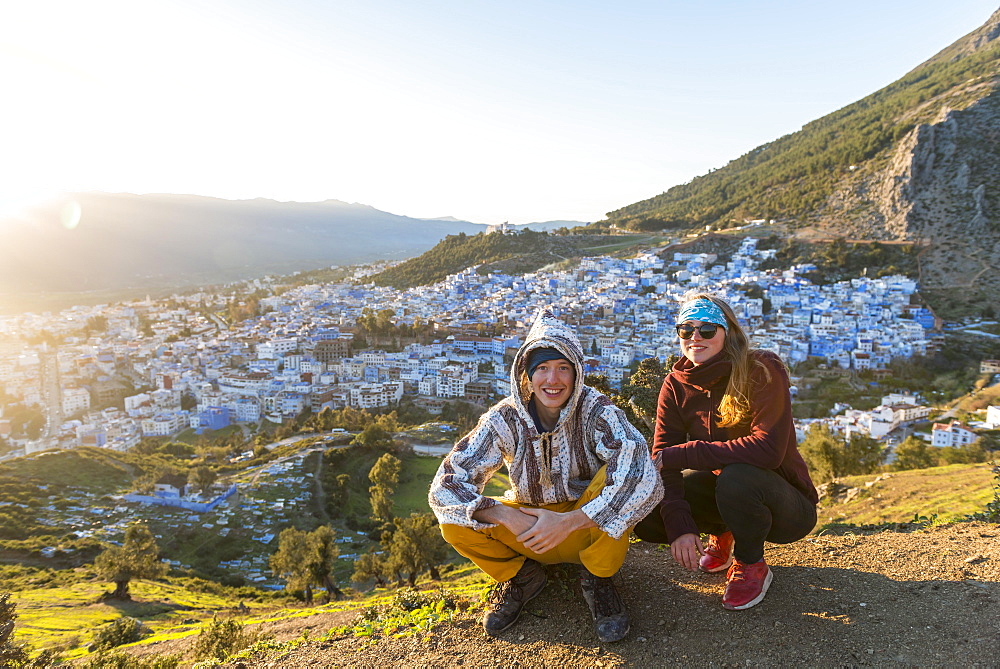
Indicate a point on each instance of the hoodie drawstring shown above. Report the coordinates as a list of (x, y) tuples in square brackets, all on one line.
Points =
[(545, 441)]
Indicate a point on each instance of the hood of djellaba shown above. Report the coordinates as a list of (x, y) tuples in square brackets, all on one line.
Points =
[(547, 331)]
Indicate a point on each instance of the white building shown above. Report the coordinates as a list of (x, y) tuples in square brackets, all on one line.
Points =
[(164, 424), (951, 434), (75, 400), (993, 417), (371, 395)]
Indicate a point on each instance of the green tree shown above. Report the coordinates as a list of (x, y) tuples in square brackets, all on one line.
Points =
[(640, 395), (340, 493), (11, 654), (137, 557), (416, 545), (861, 455), (291, 561), (371, 567), (97, 323), (913, 453), (373, 436), (965, 454), (322, 557), (202, 478), (820, 450), (600, 383), (305, 559), (324, 420), (384, 476)]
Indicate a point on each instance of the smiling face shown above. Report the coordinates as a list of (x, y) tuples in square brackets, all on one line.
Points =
[(552, 385), (699, 350)]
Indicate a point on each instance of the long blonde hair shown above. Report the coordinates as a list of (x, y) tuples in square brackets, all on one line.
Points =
[(735, 405)]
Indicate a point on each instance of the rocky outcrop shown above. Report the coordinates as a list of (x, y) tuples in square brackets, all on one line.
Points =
[(937, 181), (939, 187)]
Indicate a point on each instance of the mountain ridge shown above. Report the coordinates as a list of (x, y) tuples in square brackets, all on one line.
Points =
[(918, 160), (110, 245)]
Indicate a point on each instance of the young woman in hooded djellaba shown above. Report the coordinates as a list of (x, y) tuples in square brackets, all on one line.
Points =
[(725, 446)]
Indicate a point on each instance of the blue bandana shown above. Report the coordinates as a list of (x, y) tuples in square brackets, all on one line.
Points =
[(702, 310)]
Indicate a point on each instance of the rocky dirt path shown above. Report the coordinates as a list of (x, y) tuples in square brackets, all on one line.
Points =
[(929, 597)]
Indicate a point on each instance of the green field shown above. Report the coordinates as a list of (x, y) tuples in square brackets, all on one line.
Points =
[(411, 496)]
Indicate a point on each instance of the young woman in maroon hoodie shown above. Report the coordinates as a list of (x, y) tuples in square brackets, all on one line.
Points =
[(725, 445)]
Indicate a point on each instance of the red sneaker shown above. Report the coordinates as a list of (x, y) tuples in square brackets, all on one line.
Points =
[(718, 553), (746, 585)]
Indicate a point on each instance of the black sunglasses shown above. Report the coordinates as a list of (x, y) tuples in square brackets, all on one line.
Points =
[(706, 330)]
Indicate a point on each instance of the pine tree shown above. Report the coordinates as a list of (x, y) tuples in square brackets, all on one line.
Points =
[(11, 654)]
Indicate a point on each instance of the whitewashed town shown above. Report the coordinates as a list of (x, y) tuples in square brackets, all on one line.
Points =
[(301, 354)]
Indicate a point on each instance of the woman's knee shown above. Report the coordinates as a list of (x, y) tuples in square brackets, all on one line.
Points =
[(741, 481), (651, 528)]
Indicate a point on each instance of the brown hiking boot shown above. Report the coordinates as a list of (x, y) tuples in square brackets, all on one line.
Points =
[(611, 620), (507, 598)]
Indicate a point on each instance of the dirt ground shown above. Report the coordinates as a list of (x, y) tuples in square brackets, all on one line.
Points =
[(928, 597)]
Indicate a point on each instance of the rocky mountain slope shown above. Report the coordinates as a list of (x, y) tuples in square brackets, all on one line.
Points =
[(917, 161)]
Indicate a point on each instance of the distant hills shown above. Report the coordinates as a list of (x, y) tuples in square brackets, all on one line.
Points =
[(101, 245), (917, 161)]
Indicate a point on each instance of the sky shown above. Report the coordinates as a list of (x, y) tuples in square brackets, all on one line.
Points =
[(519, 111)]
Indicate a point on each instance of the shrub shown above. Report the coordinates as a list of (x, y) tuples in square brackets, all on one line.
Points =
[(411, 612), (117, 633), (11, 654), (119, 659), (991, 512), (221, 638), (409, 599)]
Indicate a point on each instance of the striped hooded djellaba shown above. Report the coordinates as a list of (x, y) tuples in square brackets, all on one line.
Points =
[(554, 466)]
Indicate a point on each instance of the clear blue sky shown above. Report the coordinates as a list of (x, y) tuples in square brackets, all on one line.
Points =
[(486, 111)]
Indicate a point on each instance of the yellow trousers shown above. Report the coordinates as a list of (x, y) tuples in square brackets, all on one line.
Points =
[(497, 551)]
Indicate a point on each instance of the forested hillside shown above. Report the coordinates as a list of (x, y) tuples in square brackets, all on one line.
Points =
[(793, 176), (524, 251)]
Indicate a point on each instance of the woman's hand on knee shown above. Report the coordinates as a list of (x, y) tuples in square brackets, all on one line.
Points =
[(687, 550)]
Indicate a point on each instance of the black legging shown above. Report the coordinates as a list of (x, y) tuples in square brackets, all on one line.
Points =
[(754, 504)]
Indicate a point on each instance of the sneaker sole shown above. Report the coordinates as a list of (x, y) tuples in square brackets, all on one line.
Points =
[(756, 600), (518, 616), (717, 569)]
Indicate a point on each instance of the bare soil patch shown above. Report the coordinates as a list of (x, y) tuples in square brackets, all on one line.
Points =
[(923, 597)]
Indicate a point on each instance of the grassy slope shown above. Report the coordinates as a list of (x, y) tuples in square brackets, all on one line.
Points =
[(509, 254), (69, 614), (948, 492), (411, 496)]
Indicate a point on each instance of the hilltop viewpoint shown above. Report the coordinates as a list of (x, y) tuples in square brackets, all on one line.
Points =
[(906, 596)]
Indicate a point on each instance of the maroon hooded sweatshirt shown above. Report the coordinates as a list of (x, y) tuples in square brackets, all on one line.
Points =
[(688, 435)]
